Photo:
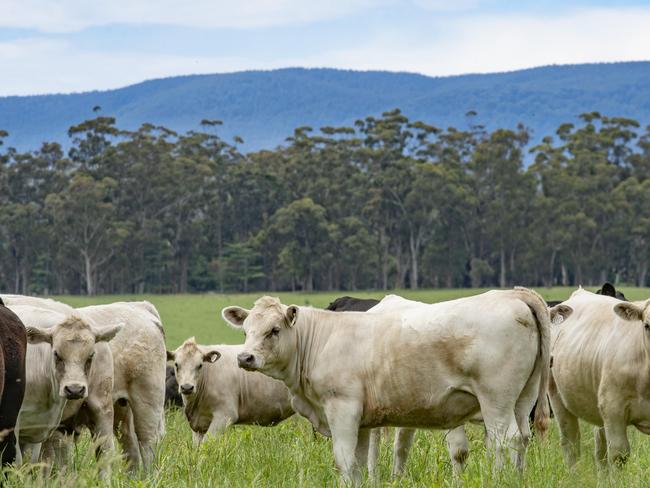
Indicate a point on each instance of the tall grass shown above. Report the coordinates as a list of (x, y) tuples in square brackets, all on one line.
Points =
[(291, 455)]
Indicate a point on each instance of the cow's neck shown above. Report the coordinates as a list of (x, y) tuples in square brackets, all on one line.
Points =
[(192, 404), (310, 339)]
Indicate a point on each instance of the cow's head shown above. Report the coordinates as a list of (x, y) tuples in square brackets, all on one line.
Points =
[(189, 359), (73, 348), (634, 313), (268, 333)]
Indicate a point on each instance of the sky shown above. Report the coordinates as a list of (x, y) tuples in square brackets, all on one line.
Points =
[(62, 46)]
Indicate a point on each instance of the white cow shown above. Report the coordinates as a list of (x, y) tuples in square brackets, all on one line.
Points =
[(601, 373), (457, 443), (63, 352), (427, 367), (128, 395), (139, 359), (218, 393)]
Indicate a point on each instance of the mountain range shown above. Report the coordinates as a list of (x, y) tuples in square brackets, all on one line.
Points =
[(264, 107)]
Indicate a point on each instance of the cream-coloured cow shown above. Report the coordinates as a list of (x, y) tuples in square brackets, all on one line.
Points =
[(457, 443), (139, 362), (128, 395), (63, 353), (426, 367), (601, 373), (217, 392)]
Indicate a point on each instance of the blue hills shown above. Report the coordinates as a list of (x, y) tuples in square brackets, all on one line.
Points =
[(263, 107)]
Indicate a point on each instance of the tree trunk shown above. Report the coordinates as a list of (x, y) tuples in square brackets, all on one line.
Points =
[(551, 268), (90, 283), (413, 246), (502, 274), (565, 275)]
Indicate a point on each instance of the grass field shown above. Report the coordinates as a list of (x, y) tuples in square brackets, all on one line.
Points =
[(290, 455)]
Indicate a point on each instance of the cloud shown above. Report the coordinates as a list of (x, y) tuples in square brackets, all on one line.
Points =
[(469, 43), (75, 15), (490, 43)]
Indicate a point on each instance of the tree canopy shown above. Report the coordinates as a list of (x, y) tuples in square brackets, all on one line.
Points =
[(386, 203)]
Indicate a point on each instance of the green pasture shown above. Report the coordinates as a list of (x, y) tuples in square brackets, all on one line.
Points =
[(291, 455)]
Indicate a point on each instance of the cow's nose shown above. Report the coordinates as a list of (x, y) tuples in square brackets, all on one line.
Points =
[(186, 388), (74, 392), (245, 359)]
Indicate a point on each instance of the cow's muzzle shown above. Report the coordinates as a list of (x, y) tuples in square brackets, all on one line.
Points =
[(74, 392), (246, 360), (187, 389)]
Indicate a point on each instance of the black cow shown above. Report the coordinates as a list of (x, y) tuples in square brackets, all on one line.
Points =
[(13, 346), (607, 289), (351, 304), (172, 396)]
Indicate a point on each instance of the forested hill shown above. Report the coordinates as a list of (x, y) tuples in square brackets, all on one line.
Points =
[(264, 107)]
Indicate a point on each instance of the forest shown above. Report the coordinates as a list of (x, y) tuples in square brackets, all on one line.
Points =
[(386, 203)]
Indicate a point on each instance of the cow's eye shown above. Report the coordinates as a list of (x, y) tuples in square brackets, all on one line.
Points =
[(274, 332), (647, 327), (200, 366), (57, 358), (176, 365)]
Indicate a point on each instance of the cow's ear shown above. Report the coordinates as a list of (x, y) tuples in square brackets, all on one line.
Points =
[(105, 334), (235, 316), (38, 336), (559, 313), (292, 315), (171, 356), (211, 357), (628, 311), (608, 290)]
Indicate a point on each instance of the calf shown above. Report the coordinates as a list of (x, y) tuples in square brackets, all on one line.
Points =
[(601, 373), (13, 347), (172, 396), (217, 393), (436, 366)]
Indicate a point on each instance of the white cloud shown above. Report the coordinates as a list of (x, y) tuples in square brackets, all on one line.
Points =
[(486, 43), (474, 43), (75, 15)]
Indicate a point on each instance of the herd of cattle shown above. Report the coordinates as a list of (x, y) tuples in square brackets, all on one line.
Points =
[(359, 365)]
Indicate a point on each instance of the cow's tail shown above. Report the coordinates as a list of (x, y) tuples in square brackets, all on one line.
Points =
[(543, 361)]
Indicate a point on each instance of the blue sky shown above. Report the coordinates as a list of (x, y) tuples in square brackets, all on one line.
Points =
[(49, 46)]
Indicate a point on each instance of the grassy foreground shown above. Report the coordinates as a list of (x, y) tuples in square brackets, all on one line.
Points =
[(290, 455)]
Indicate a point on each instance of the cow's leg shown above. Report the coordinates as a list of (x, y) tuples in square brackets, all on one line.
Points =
[(600, 442), (197, 438), (343, 419), (123, 425), (401, 447), (220, 422), (146, 422), (56, 449), (569, 427), (304, 409), (363, 444), (503, 436), (618, 447), (458, 448), (373, 451), (522, 414), (101, 418)]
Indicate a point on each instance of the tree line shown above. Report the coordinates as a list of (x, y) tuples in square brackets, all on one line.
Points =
[(387, 203)]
